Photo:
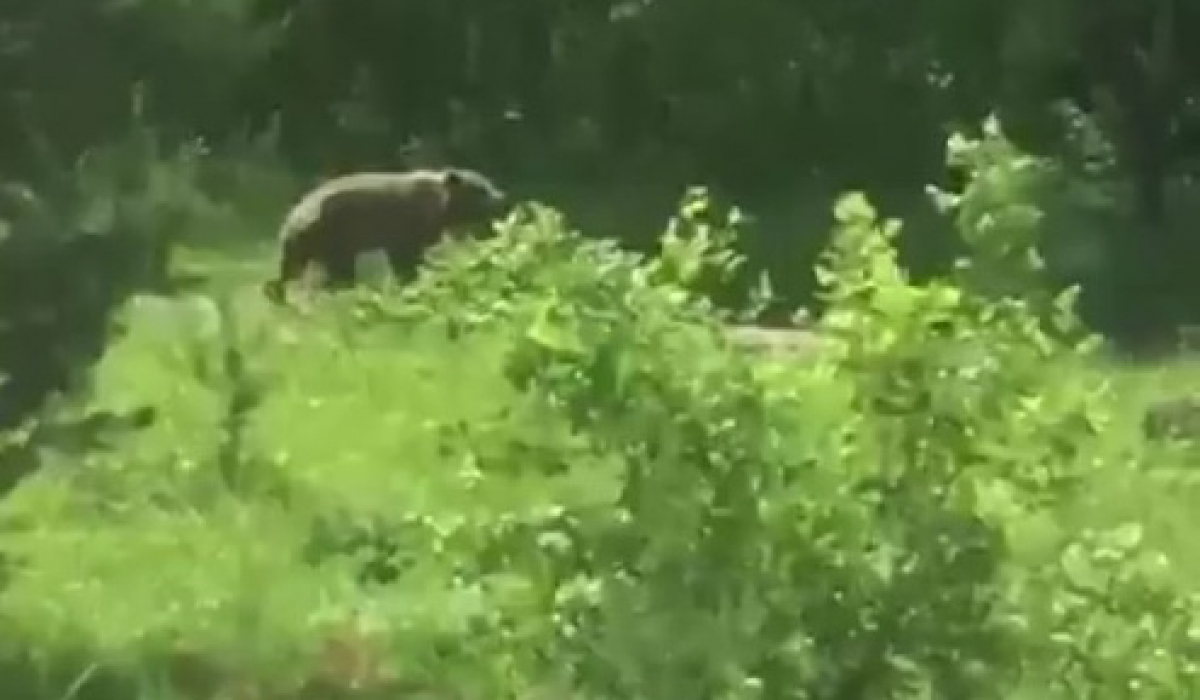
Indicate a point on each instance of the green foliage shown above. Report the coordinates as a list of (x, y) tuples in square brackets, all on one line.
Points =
[(88, 234), (542, 468), (1000, 216)]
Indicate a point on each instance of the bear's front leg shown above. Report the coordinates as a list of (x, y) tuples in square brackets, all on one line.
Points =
[(294, 258), (403, 260)]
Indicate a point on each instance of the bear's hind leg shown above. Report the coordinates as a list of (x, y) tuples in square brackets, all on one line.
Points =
[(340, 271)]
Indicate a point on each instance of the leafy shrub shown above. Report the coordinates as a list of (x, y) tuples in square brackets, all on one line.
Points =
[(85, 238), (543, 469), (94, 231)]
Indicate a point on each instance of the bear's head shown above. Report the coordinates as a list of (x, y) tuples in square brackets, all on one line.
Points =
[(471, 198)]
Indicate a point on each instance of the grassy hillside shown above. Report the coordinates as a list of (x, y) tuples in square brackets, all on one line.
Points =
[(542, 469)]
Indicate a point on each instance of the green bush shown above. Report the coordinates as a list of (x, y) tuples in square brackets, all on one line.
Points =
[(86, 237), (543, 469), (78, 242)]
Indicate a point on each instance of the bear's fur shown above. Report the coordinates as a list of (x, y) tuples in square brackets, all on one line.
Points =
[(401, 214)]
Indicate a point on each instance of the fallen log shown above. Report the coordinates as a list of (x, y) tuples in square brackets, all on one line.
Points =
[(797, 342)]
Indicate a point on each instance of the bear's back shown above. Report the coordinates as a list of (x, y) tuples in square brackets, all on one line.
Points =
[(415, 189), (371, 205)]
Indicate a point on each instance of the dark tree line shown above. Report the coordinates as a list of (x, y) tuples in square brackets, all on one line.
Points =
[(740, 88)]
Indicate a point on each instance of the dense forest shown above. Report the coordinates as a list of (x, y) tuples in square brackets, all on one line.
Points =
[(541, 467)]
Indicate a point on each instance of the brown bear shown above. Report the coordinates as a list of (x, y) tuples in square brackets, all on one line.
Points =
[(401, 214)]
